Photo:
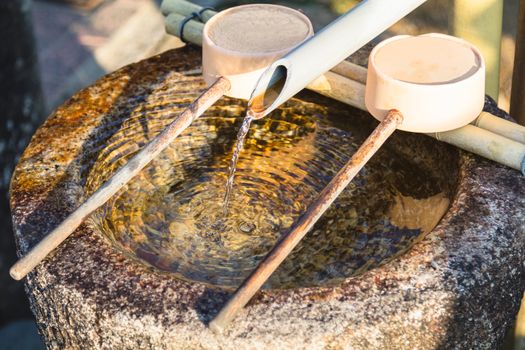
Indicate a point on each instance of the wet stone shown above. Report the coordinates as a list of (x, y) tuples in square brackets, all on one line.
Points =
[(403, 283), (247, 227)]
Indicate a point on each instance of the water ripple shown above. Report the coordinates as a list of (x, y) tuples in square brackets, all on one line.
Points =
[(170, 216)]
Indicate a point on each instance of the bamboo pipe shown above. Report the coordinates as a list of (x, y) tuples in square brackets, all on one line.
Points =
[(192, 30), (186, 9), (119, 179), (340, 89), (480, 22), (346, 84), (351, 71), (323, 201), (486, 144)]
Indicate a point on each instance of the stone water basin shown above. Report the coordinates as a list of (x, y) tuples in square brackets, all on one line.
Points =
[(154, 265)]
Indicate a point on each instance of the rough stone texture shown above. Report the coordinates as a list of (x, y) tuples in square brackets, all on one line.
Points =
[(458, 288)]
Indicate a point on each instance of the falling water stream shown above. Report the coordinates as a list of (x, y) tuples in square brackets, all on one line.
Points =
[(241, 135)]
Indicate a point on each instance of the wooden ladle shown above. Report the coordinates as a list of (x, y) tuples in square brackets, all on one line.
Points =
[(429, 83)]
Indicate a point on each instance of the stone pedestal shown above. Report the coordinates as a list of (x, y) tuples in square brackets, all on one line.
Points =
[(458, 288)]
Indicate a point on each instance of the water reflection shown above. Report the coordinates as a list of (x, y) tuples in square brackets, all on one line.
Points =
[(171, 216)]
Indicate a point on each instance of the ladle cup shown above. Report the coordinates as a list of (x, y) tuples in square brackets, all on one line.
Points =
[(240, 43), (436, 81), (429, 83)]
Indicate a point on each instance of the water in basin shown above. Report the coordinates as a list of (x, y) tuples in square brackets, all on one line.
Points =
[(171, 216)]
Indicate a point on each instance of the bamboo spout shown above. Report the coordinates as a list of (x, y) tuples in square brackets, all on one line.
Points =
[(290, 74)]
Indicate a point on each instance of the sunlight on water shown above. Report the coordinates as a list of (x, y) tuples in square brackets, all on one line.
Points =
[(171, 215)]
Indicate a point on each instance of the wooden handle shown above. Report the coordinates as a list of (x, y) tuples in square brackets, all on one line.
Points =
[(276, 256), (119, 179)]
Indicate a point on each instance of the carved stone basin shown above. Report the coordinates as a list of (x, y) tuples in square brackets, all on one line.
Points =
[(457, 284)]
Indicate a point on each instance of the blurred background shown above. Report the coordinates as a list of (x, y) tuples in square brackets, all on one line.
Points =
[(54, 48)]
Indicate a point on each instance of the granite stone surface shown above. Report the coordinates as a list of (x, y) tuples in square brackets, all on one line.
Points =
[(458, 288)]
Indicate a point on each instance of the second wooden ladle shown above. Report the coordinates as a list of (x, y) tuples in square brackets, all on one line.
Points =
[(429, 83)]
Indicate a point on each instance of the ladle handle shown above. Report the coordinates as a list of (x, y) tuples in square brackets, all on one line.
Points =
[(323, 201), (119, 179)]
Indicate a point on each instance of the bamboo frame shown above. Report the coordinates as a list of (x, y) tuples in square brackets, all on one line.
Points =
[(345, 82), (192, 31)]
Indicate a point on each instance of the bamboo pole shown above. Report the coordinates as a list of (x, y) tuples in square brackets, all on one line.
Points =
[(501, 127), (486, 144), (192, 30), (119, 179), (340, 89), (351, 71), (186, 8), (323, 201), (517, 101), (480, 22)]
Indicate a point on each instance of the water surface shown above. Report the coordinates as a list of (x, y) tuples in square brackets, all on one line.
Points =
[(171, 216)]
